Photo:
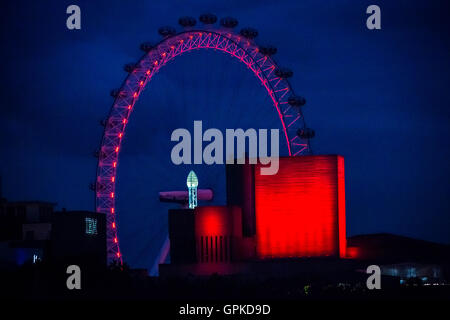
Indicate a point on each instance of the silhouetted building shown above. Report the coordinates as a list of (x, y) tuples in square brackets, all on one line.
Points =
[(30, 231), (25, 228), (390, 248), (205, 240), (14, 215), (240, 186), (402, 257), (79, 237)]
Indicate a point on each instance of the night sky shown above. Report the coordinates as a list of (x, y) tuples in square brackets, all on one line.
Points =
[(379, 98)]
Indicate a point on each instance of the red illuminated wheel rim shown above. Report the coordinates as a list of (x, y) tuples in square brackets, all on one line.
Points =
[(244, 49)]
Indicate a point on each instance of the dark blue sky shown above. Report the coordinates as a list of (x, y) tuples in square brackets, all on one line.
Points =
[(380, 98)]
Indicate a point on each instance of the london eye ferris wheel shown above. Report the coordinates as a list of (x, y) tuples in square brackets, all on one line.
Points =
[(223, 37)]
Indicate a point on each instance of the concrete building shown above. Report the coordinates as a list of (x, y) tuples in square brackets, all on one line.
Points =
[(297, 213)]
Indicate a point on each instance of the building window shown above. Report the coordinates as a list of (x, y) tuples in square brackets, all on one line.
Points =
[(45, 213), (91, 226)]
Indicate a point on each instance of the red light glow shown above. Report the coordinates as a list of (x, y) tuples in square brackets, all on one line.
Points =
[(300, 211), (216, 229), (354, 253), (212, 221), (341, 208)]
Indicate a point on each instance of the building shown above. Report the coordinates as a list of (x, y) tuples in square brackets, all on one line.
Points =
[(79, 237), (25, 229), (31, 232), (292, 224), (402, 257), (297, 213), (14, 215)]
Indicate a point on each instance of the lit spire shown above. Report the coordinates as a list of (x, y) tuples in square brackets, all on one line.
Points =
[(192, 183)]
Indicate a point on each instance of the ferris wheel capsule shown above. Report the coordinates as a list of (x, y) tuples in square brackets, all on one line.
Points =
[(296, 101), (99, 154), (249, 33), (117, 93), (129, 67), (284, 73), (111, 123), (167, 31), (146, 46), (187, 21), (228, 22), (99, 187), (208, 18), (268, 50), (306, 133)]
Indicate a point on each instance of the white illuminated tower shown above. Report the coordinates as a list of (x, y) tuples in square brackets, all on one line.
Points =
[(192, 183)]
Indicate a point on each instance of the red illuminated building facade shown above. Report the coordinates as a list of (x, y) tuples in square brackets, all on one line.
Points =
[(300, 211), (297, 213)]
